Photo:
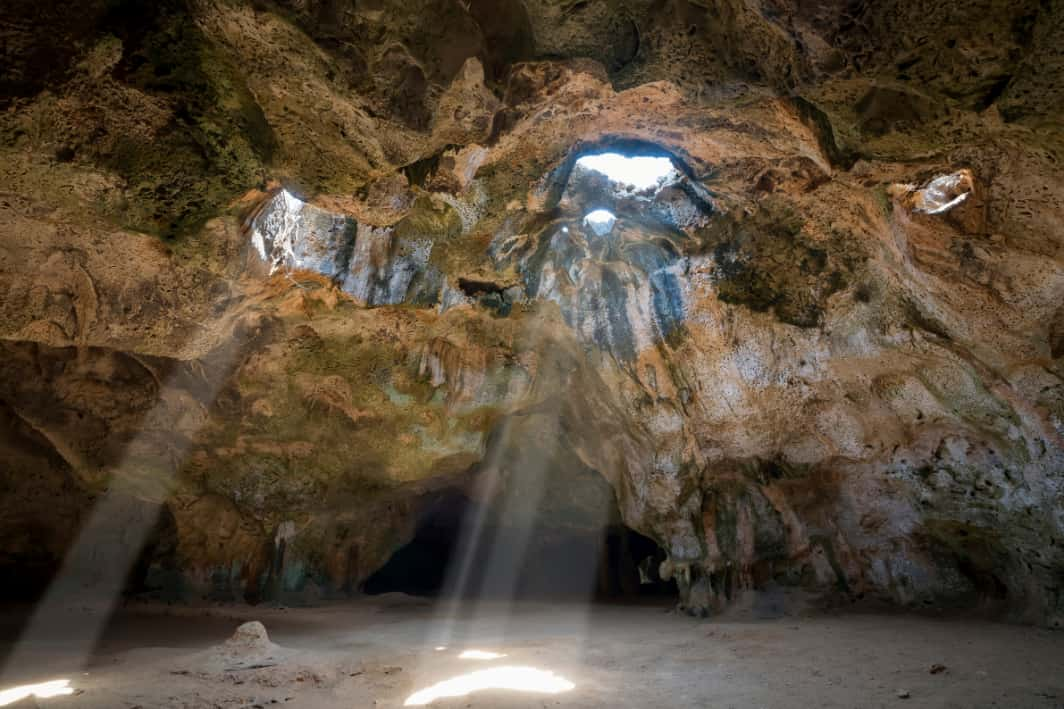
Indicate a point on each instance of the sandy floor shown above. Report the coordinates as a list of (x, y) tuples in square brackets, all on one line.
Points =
[(381, 652)]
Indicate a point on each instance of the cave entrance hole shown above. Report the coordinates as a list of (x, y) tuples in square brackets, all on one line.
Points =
[(607, 564)]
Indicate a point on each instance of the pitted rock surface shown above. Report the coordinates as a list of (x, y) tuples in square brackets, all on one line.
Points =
[(293, 271)]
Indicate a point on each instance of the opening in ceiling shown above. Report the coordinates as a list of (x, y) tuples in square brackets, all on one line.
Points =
[(944, 193), (640, 171), (601, 221)]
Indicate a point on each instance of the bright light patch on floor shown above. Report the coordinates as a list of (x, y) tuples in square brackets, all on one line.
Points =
[(480, 655), (640, 172), (42, 690), (601, 221), (518, 679)]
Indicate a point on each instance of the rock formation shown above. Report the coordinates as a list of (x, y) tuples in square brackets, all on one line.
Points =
[(289, 270)]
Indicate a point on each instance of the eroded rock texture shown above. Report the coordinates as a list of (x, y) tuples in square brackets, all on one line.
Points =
[(289, 271)]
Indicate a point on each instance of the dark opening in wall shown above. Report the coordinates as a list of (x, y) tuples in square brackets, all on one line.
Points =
[(420, 567), (629, 567), (538, 562)]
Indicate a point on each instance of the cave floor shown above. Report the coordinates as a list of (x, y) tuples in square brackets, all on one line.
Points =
[(380, 651)]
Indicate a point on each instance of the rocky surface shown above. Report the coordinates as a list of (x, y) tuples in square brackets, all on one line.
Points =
[(293, 270)]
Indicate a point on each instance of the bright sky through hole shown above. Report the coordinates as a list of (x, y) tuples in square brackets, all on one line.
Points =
[(601, 220), (640, 172), (941, 194), (520, 679)]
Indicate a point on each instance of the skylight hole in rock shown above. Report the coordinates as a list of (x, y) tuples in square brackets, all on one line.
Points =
[(601, 221), (944, 192), (640, 172)]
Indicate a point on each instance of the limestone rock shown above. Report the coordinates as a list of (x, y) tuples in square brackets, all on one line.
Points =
[(293, 272), (249, 639)]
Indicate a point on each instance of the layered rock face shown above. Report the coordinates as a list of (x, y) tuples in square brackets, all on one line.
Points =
[(280, 276)]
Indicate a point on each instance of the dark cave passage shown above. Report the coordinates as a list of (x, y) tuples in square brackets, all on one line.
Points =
[(613, 563), (628, 567), (420, 567)]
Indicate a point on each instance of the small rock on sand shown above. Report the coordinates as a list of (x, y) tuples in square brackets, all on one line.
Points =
[(250, 637)]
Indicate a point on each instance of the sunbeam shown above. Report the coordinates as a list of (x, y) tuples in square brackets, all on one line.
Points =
[(95, 569)]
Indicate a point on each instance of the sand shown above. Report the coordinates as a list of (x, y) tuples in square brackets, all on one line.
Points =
[(386, 651)]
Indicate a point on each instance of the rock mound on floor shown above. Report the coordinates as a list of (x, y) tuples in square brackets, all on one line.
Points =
[(251, 637)]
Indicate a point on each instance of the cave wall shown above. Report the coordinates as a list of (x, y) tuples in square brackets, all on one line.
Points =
[(287, 268)]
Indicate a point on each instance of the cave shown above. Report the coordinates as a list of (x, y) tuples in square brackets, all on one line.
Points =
[(505, 353)]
